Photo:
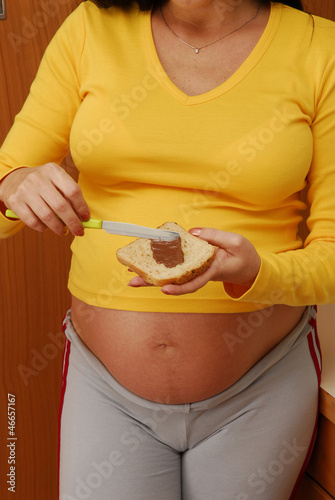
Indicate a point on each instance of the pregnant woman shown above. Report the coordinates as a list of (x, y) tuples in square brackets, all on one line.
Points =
[(215, 114)]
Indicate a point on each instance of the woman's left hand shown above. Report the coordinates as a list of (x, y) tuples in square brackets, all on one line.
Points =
[(236, 262)]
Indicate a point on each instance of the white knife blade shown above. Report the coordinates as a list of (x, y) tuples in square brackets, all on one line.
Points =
[(127, 229)]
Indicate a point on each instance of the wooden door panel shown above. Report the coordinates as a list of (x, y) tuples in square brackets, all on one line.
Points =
[(323, 8), (33, 284), (310, 490)]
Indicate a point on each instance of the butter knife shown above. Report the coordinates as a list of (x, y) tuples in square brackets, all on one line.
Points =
[(123, 229)]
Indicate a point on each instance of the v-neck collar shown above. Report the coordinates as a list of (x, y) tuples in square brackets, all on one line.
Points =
[(243, 70)]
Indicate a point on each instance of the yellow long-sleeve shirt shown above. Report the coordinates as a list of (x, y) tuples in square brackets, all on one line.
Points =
[(235, 158)]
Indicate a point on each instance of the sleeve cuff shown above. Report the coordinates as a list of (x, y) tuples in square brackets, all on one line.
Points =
[(8, 227), (263, 289), (9, 171)]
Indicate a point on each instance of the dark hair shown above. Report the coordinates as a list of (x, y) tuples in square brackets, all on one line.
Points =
[(148, 4)]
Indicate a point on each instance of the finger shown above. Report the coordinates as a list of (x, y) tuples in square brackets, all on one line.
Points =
[(137, 281), (222, 239), (190, 286), (30, 219), (52, 209), (68, 203), (46, 219), (71, 190), (65, 215)]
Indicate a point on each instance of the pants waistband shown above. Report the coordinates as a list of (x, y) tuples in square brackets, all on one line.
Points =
[(292, 339)]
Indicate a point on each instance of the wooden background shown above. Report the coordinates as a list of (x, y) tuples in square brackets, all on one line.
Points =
[(33, 281), (33, 275)]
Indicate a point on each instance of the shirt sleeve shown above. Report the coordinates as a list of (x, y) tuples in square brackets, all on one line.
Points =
[(40, 133), (307, 275)]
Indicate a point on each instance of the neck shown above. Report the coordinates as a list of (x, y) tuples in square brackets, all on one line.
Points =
[(207, 15)]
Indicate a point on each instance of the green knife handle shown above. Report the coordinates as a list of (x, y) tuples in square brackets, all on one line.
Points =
[(93, 224), (11, 214)]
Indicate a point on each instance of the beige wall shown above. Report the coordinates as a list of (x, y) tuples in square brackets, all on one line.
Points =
[(326, 330)]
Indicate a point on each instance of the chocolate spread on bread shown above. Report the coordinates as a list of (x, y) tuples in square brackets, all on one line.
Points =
[(168, 253)]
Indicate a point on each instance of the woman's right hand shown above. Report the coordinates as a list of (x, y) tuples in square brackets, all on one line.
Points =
[(45, 197)]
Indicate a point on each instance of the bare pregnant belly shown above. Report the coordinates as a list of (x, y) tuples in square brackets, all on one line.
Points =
[(177, 358)]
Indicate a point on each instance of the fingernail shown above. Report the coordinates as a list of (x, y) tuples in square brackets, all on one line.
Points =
[(85, 216), (66, 231), (79, 232), (196, 231)]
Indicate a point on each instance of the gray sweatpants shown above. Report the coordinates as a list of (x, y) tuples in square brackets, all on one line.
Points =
[(251, 442)]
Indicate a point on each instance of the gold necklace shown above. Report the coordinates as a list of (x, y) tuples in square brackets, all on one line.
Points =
[(197, 49)]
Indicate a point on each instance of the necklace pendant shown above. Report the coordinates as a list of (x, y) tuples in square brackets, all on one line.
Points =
[(197, 51)]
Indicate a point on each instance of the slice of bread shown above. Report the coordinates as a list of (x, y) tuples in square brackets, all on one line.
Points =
[(138, 256)]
